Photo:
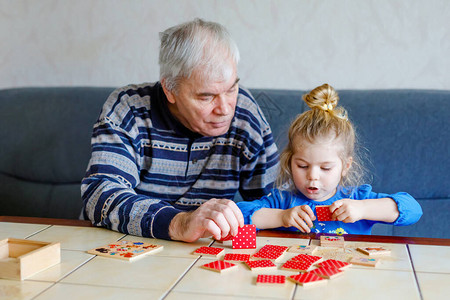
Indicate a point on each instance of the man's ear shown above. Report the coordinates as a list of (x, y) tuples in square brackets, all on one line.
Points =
[(169, 95), (347, 166)]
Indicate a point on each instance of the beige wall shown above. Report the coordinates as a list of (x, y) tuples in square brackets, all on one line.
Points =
[(284, 44)]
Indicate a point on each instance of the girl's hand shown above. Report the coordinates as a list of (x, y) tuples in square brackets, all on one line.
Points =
[(347, 210), (300, 217)]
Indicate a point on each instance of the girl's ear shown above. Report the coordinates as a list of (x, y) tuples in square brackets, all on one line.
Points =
[(169, 95), (347, 166)]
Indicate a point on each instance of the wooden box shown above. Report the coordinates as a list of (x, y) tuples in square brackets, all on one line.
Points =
[(20, 259)]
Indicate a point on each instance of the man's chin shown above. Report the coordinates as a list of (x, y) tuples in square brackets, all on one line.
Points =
[(216, 131)]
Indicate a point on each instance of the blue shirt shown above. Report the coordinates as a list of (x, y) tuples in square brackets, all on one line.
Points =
[(146, 167), (409, 209)]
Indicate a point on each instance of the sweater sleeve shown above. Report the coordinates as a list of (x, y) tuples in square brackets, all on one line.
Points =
[(260, 159), (109, 198), (409, 209)]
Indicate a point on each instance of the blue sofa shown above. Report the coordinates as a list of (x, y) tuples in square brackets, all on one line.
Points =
[(45, 146)]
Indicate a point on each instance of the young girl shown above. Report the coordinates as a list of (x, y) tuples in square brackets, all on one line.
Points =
[(320, 167)]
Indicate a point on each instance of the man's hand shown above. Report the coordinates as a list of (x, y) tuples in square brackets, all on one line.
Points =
[(347, 210), (300, 217), (216, 217)]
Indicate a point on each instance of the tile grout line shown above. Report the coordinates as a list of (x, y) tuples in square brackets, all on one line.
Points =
[(70, 272), (414, 271), (181, 277), (296, 285), (294, 291), (39, 231), (59, 280), (184, 274)]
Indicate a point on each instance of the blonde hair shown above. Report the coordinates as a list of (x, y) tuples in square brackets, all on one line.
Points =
[(325, 118)]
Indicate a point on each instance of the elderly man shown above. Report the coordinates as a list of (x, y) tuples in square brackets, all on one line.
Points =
[(169, 157)]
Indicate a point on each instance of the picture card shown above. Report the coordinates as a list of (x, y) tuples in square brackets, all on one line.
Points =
[(305, 249), (332, 241), (374, 250), (126, 250), (364, 261)]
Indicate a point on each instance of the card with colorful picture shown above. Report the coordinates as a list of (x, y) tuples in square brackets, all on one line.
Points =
[(126, 250)]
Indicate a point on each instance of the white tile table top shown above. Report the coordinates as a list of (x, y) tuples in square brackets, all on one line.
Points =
[(148, 272), (70, 260), (21, 290), (364, 284), (75, 292), (19, 230), (176, 273), (238, 282), (186, 296), (78, 238), (428, 258), (434, 286)]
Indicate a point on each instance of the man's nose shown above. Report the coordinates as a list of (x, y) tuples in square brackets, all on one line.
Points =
[(222, 105)]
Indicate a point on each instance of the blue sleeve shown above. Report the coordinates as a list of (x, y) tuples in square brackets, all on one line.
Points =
[(274, 199), (409, 209)]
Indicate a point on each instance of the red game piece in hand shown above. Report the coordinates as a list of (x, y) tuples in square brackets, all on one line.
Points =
[(323, 213), (245, 238)]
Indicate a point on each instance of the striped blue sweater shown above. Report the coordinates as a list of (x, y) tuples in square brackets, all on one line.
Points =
[(146, 166)]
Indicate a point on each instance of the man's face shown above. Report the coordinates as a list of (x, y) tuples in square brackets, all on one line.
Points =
[(205, 105)]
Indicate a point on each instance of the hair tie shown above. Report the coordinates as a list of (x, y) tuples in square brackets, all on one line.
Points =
[(327, 107)]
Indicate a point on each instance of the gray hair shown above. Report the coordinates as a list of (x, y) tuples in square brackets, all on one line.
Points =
[(195, 44)]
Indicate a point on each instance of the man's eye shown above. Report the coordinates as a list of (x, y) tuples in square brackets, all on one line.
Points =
[(232, 90)]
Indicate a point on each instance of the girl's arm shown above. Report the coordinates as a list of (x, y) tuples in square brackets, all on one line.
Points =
[(349, 211), (300, 217), (266, 218), (272, 211), (399, 209)]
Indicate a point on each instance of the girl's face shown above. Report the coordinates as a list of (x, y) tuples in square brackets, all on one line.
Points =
[(317, 168)]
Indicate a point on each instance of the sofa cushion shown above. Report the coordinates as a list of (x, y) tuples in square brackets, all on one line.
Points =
[(49, 131), (405, 133)]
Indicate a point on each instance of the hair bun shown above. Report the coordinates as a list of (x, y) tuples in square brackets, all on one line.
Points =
[(323, 97)]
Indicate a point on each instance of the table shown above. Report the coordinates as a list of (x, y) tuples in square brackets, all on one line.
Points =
[(417, 268)]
